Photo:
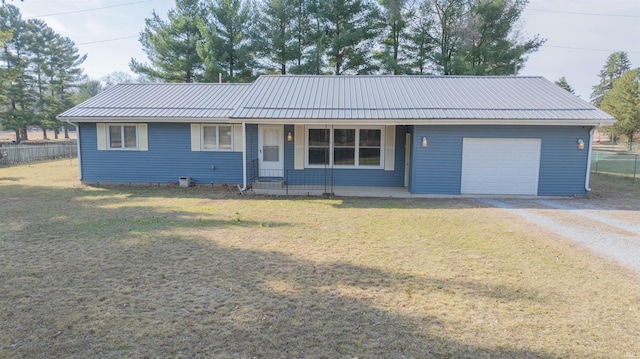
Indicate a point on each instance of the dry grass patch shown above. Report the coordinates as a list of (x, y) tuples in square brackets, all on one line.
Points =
[(173, 272)]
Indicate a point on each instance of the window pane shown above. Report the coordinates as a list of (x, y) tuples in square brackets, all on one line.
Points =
[(344, 156), (318, 156), (344, 137), (370, 138), (209, 137), (129, 136), (369, 157), (225, 137), (271, 153), (318, 137), (115, 139)]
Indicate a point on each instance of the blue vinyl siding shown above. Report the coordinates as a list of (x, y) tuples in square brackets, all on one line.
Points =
[(437, 168), (349, 177), (168, 158)]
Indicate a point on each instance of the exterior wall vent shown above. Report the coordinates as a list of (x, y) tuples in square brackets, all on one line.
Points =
[(184, 181)]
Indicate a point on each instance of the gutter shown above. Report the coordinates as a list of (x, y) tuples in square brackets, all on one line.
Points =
[(78, 145), (244, 158), (587, 177)]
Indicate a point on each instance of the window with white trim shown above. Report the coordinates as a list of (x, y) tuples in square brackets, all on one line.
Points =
[(359, 147), (122, 137), (217, 137)]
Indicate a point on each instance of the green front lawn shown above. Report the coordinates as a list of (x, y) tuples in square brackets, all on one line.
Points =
[(201, 272)]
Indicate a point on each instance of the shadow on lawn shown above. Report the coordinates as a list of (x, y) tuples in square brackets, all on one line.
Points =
[(82, 212), (179, 296), (226, 303), (269, 305), (11, 179)]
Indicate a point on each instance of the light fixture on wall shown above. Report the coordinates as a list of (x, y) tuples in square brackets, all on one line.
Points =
[(580, 144), (424, 141), (289, 136)]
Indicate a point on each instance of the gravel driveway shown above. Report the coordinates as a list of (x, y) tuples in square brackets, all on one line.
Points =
[(607, 230)]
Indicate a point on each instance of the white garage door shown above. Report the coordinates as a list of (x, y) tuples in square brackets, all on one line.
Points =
[(500, 166)]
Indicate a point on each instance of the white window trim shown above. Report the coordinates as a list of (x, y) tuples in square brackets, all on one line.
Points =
[(121, 125), (217, 126), (357, 147)]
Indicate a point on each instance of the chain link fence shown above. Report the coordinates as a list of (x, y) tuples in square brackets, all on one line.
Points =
[(14, 154), (615, 163)]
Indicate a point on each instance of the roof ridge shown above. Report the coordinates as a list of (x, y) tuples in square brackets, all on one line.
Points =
[(407, 76), (186, 83), (416, 108)]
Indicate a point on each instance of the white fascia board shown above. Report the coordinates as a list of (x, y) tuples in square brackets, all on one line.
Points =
[(150, 119), (352, 122), (434, 122)]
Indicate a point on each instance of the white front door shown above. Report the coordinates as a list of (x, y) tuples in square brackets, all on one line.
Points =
[(271, 150)]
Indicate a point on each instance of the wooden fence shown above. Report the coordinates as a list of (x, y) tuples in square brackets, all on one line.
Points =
[(13, 154)]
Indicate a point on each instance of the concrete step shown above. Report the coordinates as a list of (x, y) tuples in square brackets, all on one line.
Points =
[(268, 184)]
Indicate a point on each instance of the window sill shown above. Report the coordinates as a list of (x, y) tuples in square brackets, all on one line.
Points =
[(344, 167), (215, 150)]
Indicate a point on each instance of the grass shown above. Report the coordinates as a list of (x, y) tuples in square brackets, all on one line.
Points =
[(200, 272)]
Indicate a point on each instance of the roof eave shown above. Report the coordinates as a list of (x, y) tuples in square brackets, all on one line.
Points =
[(433, 122), (146, 119), (360, 122)]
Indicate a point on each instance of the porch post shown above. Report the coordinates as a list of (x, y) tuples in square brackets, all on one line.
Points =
[(244, 155)]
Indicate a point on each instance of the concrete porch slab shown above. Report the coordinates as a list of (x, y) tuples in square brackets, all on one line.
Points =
[(378, 192)]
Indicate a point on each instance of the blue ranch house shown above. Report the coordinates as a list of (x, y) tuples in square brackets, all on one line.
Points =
[(430, 134)]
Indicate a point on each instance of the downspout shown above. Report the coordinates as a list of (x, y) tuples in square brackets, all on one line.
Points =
[(587, 177), (244, 157), (78, 145)]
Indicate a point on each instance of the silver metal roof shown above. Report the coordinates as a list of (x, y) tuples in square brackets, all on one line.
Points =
[(310, 99), (412, 98), (161, 100)]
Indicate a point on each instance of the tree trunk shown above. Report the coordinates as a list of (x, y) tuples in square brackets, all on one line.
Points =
[(66, 132), (44, 134), (17, 135), (24, 134)]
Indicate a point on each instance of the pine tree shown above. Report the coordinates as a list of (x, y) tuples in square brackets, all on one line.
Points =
[(562, 82), (5, 76), (350, 27), (489, 46), (311, 38), (172, 46), (273, 35), (43, 67), (617, 64), (302, 35), (622, 101), (420, 43), (447, 32), (66, 75), (395, 22), (229, 44), (20, 99), (41, 49), (475, 37)]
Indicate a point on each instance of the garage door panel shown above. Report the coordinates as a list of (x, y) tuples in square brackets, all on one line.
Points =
[(500, 166)]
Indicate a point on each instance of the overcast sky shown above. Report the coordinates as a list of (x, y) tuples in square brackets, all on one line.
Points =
[(580, 33)]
